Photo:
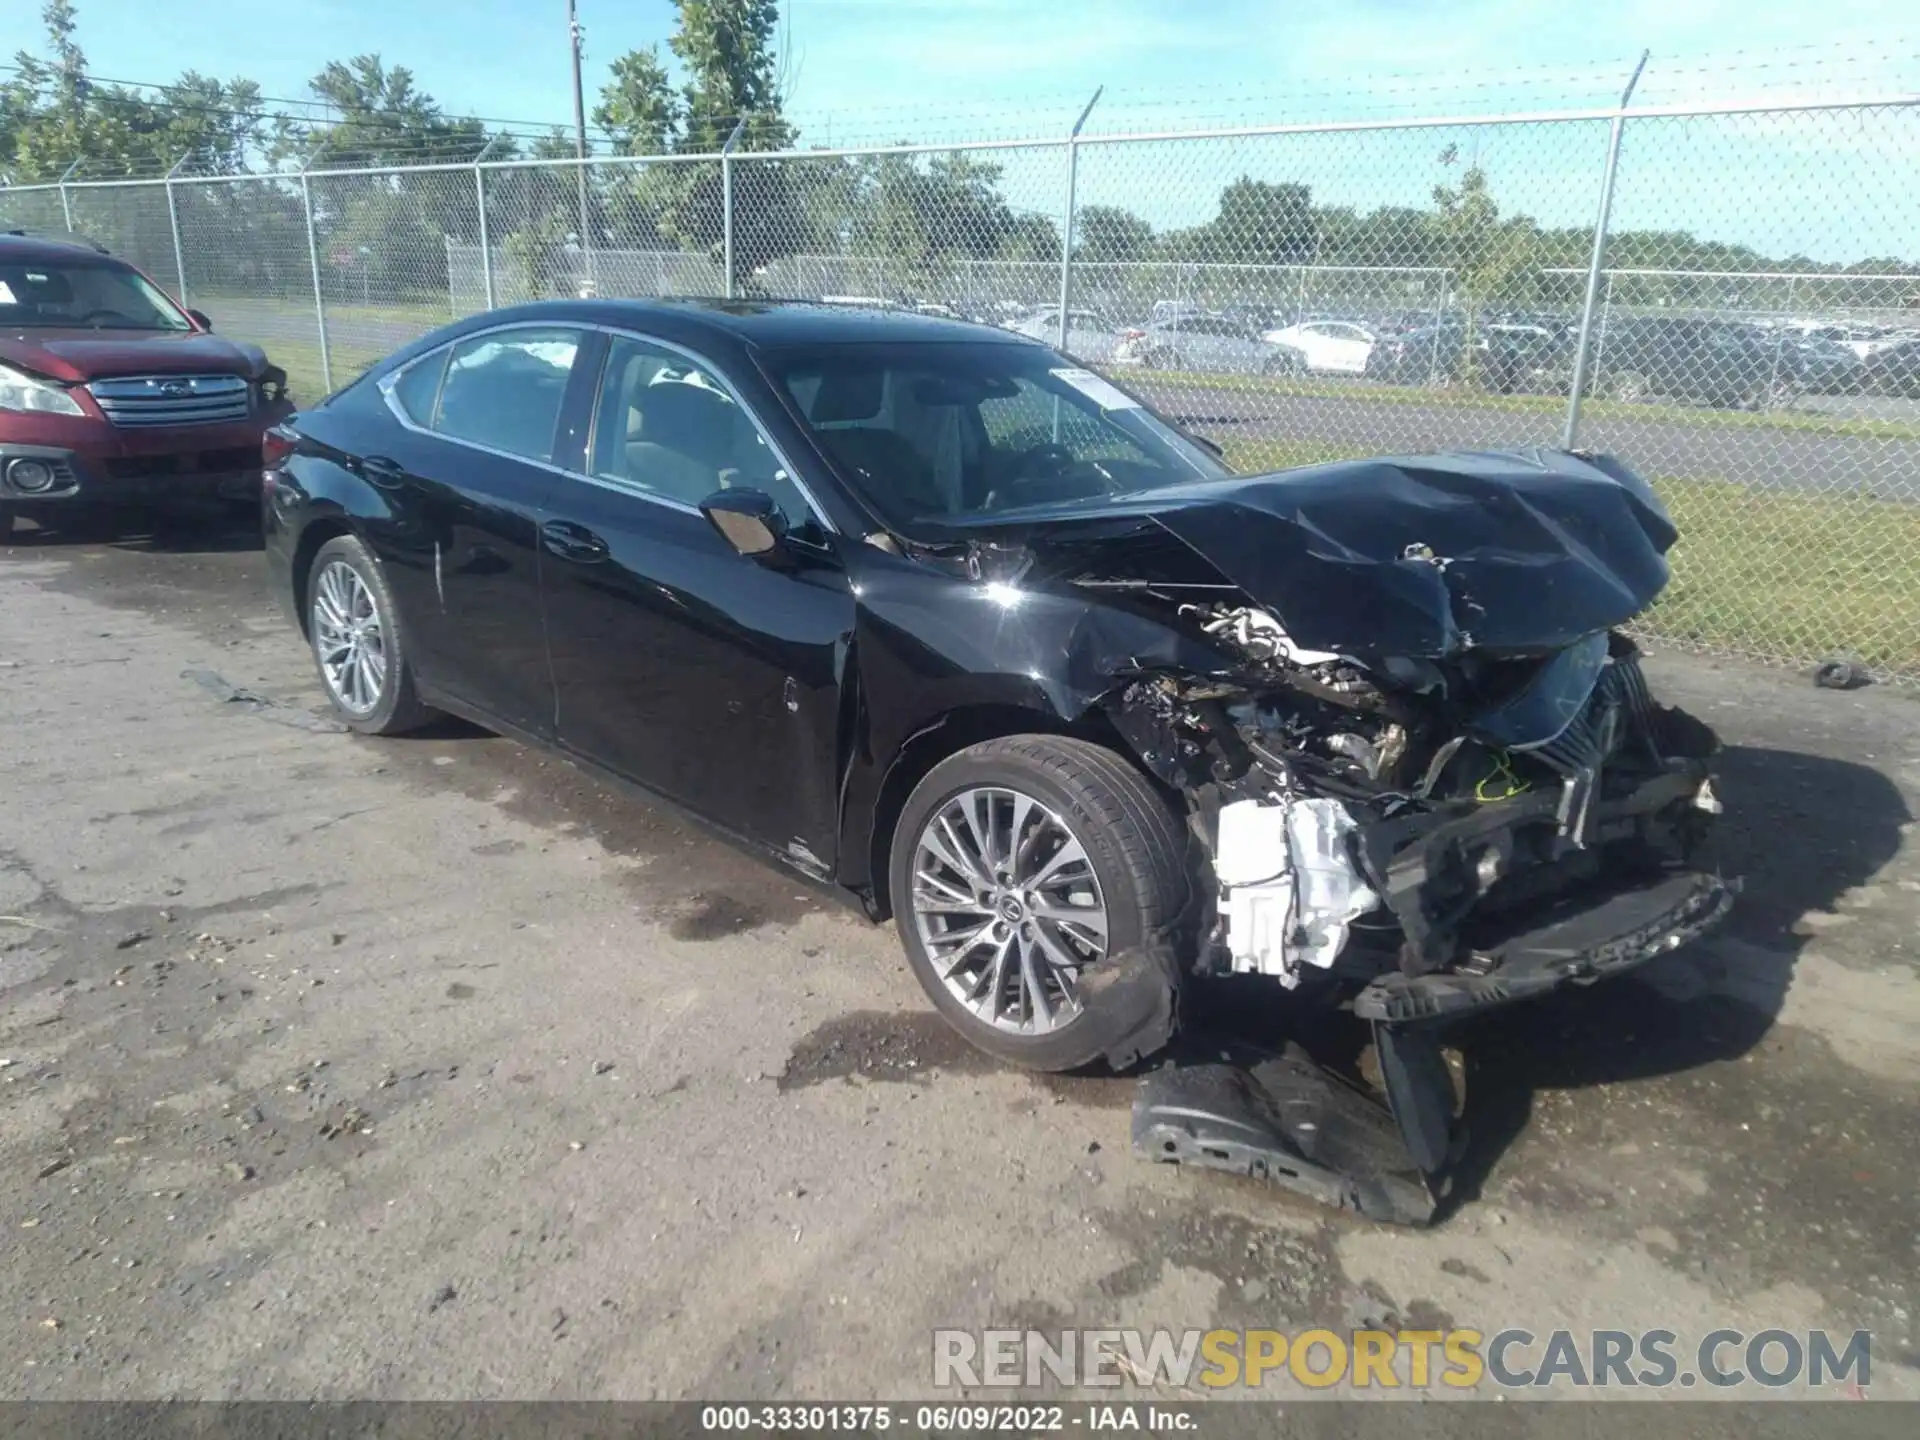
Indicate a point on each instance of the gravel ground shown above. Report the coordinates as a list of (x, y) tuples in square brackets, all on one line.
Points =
[(434, 1068)]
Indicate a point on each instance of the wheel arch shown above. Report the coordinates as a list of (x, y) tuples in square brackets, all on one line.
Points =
[(947, 735), (315, 533)]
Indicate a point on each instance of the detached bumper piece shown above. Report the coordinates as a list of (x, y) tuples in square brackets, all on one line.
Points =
[(1570, 943), (1285, 1120)]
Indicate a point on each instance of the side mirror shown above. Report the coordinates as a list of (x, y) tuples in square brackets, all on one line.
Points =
[(199, 317), (748, 520)]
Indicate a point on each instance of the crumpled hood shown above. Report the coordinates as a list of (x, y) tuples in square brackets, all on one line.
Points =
[(76, 356), (1424, 556)]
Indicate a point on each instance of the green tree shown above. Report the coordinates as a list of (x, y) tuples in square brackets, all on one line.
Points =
[(727, 58), (638, 107), (1111, 235), (384, 120), (1491, 260), (1262, 223)]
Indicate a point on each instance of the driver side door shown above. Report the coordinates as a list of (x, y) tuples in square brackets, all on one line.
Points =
[(706, 676)]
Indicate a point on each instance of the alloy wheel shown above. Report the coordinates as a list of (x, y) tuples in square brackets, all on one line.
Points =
[(349, 637), (1008, 908)]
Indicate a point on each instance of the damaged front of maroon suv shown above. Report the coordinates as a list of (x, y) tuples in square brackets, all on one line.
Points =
[(1427, 767)]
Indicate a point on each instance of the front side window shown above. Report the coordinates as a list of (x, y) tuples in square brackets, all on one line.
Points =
[(666, 425), (504, 389), (66, 295), (933, 433)]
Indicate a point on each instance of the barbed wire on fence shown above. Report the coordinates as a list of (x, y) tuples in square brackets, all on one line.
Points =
[(1294, 292)]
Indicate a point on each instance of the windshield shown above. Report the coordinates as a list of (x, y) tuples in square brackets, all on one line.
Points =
[(68, 296), (936, 433)]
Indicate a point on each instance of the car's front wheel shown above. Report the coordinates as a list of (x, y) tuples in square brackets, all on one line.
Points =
[(1037, 882), (358, 642)]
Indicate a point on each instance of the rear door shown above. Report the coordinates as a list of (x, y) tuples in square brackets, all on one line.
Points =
[(467, 472)]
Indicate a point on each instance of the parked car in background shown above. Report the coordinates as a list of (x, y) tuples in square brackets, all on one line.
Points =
[(1091, 337), (110, 392), (1504, 357), (1712, 362), (1823, 366), (1206, 342), (1337, 347), (1893, 369)]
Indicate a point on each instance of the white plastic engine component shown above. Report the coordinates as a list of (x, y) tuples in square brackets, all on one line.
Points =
[(1262, 636), (1288, 889)]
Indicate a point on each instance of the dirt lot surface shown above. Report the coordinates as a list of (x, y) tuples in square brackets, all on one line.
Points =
[(434, 1068)]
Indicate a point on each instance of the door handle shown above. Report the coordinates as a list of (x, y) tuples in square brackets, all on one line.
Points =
[(572, 542), (382, 472)]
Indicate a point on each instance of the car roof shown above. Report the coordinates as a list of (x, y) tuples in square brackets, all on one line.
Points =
[(17, 247), (770, 323)]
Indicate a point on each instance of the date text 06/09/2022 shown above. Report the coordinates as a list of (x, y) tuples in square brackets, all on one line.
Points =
[(1100, 1418)]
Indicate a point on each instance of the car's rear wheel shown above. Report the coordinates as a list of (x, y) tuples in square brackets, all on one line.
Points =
[(359, 643), (1036, 883)]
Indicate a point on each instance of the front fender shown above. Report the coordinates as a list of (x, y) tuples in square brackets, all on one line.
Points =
[(930, 646)]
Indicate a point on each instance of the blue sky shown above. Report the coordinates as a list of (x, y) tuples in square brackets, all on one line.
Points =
[(878, 70), (1011, 62)]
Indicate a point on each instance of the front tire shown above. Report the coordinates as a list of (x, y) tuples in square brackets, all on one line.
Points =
[(1037, 882), (359, 644)]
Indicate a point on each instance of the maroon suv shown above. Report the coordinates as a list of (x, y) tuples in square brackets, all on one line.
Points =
[(110, 392)]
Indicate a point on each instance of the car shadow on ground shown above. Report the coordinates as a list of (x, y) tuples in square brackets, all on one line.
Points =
[(213, 529), (1800, 831)]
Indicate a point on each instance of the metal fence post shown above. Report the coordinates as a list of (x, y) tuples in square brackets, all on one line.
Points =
[(726, 201), (480, 204), (1598, 258), (1779, 344), (1066, 221), (66, 205), (173, 224), (313, 260)]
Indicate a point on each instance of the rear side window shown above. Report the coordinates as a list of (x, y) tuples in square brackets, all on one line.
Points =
[(416, 388), (504, 389)]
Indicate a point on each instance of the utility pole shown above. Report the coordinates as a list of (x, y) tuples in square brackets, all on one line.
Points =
[(575, 46)]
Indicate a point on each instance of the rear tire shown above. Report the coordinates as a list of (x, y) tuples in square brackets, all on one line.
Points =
[(351, 616), (1121, 1004)]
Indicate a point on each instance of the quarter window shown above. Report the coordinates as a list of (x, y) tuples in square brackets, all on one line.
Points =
[(416, 388), (503, 389)]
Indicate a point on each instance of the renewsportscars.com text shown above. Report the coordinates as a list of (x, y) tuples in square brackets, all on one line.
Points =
[(1459, 1359)]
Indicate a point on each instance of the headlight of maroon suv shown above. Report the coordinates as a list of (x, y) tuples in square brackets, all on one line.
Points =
[(22, 392)]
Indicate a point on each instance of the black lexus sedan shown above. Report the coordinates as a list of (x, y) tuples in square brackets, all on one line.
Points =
[(927, 611)]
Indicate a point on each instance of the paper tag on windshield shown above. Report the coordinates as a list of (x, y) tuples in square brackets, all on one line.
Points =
[(6, 295), (1097, 390)]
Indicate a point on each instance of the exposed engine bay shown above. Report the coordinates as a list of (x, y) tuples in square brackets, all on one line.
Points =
[(1434, 797), (1440, 835)]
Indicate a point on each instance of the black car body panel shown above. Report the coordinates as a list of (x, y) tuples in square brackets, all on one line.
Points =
[(1418, 555)]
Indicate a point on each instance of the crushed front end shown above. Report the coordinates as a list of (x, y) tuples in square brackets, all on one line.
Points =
[(1418, 755), (1436, 836)]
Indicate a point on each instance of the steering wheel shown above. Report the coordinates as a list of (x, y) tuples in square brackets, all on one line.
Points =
[(1058, 459), (96, 317)]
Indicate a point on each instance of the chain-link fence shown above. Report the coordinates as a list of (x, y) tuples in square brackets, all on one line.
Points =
[(1746, 331)]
